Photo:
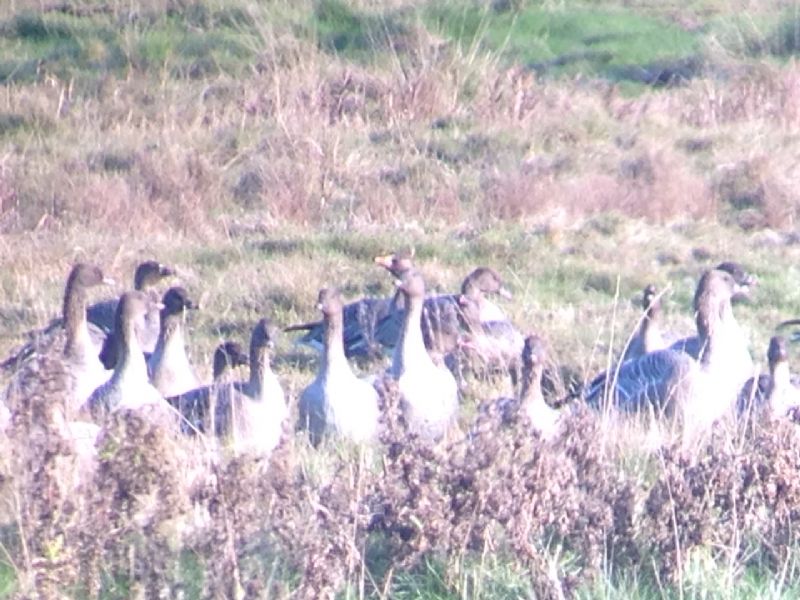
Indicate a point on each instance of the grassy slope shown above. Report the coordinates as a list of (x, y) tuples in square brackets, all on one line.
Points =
[(263, 122)]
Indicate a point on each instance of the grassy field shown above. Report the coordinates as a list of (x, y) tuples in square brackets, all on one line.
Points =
[(267, 149)]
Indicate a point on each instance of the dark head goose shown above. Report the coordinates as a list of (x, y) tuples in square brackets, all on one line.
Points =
[(337, 401), (672, 382), (648, 336), (129, 387), (169, 367), (360, 317), (252, 414), (197, 406), (530, 404), (775, 393), (148, 275), (429, 394), (480, 282)]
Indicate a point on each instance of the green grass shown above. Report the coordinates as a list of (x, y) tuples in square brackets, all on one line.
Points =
[(593, 41)]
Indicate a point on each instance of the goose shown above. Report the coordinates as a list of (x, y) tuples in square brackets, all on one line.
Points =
[(775, 392), (196, 406), (530, 403), (428, 393), (739, 355), (360, 317), (648, 336), (129, 387), (148, 274), (71, 332), (168, 365), (252, 413), (337, 401), (70, 344), (440, 314), (670, 381)]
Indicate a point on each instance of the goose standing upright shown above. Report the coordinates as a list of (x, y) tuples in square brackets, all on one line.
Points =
[(252, 414), (337, 401), (129, 387), (670, 381), (169, 367), (148, 274), (648, 336), (428, 393), (774, 392), (198, 405), (71, 345), (530, 403)]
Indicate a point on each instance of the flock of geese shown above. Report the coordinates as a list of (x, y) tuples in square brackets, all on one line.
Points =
[(130, 354)]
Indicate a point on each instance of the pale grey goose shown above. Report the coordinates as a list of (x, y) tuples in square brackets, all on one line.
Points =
[(337, 401), (648, 336), (198, 405), (252, 414), (361, 317), (169, 367), (775, 392), (147, 275), (129, 386), (428, 393), (71, 343), (670, 381)]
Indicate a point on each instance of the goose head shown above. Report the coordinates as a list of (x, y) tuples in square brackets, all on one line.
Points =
[(746, 281), (176, 301), (132, 309), (228, 355), (484, 280), (534, 352), (651, 303), (778, 352), (330, 302), (712, 299), (263, 335), (397, 263), (150, 273)]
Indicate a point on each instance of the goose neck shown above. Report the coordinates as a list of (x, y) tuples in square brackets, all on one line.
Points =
[(411, 345), (130, 361), (74, 317), (260, 369), (531, 386), (333, 355)]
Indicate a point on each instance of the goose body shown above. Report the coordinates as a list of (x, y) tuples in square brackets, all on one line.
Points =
[(252, 414), (428, 393), (360, 318), (440, 318), (129, 386), (337, 401), (169, 367)]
